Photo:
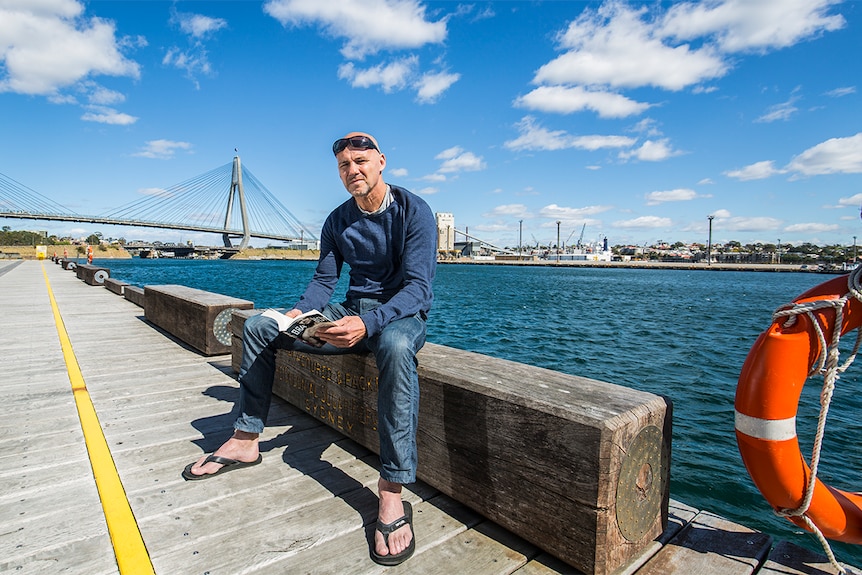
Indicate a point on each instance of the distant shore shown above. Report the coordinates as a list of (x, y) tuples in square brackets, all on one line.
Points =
[(29, 253), (637, 264)]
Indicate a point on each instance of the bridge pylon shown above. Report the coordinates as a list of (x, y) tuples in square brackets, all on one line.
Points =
[(236, 191)]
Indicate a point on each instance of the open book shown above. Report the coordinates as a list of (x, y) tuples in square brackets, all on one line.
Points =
[(302, 326)]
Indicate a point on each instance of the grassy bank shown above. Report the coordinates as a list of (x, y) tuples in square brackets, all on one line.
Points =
[(276, 254), (29, 252)]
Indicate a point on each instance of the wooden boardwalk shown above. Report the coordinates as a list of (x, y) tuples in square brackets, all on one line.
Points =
[(308, 508)]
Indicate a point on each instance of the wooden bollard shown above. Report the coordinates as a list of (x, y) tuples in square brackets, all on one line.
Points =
[(92, 275), (578, 467), (67, 264), (197, 317)]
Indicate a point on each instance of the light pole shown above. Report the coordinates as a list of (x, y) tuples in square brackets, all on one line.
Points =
[(779, 251), (520, 235), (558, 241), (854, 249), (709, 244)]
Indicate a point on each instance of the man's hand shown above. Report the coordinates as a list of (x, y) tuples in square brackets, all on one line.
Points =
[(347, 332), (293, 313)]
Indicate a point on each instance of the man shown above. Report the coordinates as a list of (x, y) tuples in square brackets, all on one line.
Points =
[(388, 237)]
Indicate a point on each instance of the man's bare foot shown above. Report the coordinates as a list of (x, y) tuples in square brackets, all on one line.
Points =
[(242, 446), (390, 510)]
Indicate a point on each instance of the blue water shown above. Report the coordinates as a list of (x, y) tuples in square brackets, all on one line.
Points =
[(681, 334)]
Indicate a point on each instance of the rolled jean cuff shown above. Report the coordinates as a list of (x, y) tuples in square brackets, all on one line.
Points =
[(249, 424), (403, 477)]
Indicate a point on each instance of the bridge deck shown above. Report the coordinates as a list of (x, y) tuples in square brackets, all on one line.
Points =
[(307, 509)]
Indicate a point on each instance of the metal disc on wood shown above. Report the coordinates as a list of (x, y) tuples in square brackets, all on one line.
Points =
[(220, 325), (100, 276), (639, 490)]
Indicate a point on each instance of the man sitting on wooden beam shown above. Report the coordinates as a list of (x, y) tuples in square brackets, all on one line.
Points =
[(388, 237)]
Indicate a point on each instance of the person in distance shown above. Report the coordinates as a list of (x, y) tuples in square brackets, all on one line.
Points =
[(388, 237)]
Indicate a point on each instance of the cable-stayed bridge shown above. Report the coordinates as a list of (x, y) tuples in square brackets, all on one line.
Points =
[(228, 200)]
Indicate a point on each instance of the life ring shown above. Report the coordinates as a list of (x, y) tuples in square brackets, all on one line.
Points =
[(767, 397)]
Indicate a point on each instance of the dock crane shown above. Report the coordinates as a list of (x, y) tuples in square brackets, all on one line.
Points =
[(581, 237)]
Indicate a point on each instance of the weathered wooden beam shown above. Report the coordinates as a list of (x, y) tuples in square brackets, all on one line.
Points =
[(134, 294), (116, 286), (576, 466), (92, 275), (67, 264), (197, 317)]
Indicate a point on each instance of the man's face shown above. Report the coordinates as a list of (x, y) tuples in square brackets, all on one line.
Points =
[(360, 170)]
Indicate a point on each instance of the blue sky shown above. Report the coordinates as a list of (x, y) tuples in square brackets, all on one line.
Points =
[(630, 120)]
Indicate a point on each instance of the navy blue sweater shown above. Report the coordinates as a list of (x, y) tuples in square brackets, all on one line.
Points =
[(392, 257)]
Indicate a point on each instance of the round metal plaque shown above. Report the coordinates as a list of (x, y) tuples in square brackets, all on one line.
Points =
[(220, 326), (640, 487), (100, 276)]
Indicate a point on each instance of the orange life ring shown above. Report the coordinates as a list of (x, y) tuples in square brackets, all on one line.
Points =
[(767, 398)]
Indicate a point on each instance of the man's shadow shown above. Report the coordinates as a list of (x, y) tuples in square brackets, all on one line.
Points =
[(307, 457)]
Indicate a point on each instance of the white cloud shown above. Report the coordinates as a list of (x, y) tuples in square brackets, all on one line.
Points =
[(105, 115), (509, 210), (756, 171), (455, 159), (390, 77), (652, 151), (812, 228), (162, 149), (615, 46), (567, 100), (781, 111), (753, 224), (840, 92), (198, 25), (398, 172), (644, 222), (743, 25), (853, 201), (48, 46), (677, 195), (834, 156), (721, 214), (367, 26), (194, 60), (431, 86), (534, 137), (555, 212)]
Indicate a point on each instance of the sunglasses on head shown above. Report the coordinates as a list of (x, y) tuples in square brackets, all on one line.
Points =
[(363, 142)]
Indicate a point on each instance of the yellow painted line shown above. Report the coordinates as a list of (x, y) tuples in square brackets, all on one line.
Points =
[(129, 548)]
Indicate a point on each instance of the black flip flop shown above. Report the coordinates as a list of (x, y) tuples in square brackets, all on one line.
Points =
[(226, 465), (386, 530)]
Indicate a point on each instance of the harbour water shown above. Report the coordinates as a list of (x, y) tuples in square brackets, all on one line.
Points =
[(682, 334)]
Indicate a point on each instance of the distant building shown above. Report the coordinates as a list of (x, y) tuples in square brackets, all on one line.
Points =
[(445, 231)]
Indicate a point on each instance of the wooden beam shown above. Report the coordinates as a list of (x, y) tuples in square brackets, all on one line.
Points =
[(578, 467), (92, 275), (197, 317)]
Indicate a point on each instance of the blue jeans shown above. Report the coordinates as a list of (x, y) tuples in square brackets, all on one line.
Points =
[(394, 350)]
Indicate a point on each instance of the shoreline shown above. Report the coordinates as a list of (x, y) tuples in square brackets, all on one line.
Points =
[(644, 265), (29, 253)]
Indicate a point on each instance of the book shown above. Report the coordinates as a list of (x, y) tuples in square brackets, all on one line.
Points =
[(302, 326)]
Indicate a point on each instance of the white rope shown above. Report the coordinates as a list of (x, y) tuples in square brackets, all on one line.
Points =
[(826, 364)]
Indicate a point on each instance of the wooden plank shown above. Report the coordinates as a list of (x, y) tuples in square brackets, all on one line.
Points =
[(789, 559), (710, 545)]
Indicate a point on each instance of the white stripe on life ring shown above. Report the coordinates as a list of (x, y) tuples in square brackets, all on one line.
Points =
[(767, 429)]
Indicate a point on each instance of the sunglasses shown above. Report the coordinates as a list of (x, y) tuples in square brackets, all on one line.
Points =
[(363, 142)]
